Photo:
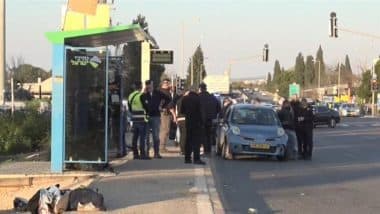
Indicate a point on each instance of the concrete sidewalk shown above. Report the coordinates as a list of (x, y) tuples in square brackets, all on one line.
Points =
[(160, 186)]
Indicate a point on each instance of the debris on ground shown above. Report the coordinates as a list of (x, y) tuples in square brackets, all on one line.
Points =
[(54, 200)]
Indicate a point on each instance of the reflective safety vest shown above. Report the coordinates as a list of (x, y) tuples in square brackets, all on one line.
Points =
[(136, 107)]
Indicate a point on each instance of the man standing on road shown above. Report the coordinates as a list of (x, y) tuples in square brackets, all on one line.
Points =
[(152, 100), (181, 120), (286, 116), (167, 114), (305, 124), (136, 107), (209, 111), (296, 106), (191, 109)]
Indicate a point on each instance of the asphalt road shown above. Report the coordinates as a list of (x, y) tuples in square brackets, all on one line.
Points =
[(343, 177)]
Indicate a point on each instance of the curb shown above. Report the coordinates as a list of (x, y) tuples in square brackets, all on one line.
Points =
[(215, 200)]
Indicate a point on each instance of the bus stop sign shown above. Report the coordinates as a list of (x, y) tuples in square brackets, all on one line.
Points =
[(161, 57)]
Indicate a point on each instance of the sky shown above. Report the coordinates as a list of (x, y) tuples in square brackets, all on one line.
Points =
[(226, 29)]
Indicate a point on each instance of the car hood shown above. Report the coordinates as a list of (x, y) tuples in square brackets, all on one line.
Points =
[(258, 132)]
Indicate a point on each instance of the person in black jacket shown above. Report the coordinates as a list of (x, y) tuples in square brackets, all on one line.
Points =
[(286, 116), (296, 106), (210, 109), (191, 109), (305, 123)]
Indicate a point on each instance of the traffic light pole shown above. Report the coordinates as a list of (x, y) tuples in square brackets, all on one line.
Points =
[(373, 89)]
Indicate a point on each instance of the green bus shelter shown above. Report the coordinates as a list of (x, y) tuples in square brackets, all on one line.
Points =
[(83, 101)]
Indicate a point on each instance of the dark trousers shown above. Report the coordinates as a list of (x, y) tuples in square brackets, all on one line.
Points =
[(207, 136), (305, 142), (139, 131), (154, 125), (192, 142)]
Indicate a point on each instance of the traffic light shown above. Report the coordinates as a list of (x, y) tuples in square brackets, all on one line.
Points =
[(374, 85), (266, 53), (183, 82), (333, 25), (178, 82)]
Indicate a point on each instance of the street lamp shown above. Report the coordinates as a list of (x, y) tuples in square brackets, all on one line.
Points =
[(374, 78), (197, 19), (264, 55)]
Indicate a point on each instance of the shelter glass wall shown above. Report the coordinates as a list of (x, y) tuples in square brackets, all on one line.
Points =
[(86, 105)]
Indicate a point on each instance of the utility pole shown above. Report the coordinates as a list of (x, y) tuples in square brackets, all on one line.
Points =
[(374, 77), (183, 49), (339, 80), (2, 51)]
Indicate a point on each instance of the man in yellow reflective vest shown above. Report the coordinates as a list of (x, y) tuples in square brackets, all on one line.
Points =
[(139, 120)]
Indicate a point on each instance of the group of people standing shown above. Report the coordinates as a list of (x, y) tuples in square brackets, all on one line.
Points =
[(154, 110), (297, 120)]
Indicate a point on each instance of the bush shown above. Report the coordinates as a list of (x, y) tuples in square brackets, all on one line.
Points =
[(24, 131)]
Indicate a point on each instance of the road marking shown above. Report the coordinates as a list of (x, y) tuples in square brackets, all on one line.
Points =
[(343, 125), (376, 124)]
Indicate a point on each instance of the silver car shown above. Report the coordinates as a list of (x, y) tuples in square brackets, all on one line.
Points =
[(348, 109), (251, 130)]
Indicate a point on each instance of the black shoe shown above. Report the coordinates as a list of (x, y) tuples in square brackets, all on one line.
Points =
[(145, 158), (188, 161), (136, 157), (158, 156), (199, 162), (308, 158)]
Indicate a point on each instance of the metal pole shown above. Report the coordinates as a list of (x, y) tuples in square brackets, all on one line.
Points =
[(2, 50), (373, 91), (39, 88), (183, 51), (319, 79), (339, 80), (12, 96), (319, 74)]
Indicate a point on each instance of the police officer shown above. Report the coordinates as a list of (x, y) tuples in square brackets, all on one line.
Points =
[(191, 109), (210, 108), (305, 118), (139, 120)]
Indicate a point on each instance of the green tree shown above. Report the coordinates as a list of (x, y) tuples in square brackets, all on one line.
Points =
[(199, 70), (277, 73), (299, 70), (309, 72), (287, 77), (320, 62), (347, 71), (364, 90)]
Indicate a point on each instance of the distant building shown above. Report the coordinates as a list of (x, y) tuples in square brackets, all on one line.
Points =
[(34, 89), (218, 83)]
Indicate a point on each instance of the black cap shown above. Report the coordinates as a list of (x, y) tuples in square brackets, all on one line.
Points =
[(203, 86), (148, 82)]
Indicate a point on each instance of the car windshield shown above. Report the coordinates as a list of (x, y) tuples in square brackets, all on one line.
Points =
[(351, 106), (254, 116)]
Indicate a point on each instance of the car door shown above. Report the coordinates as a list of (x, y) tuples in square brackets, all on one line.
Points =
[(224, 126), (323, 113)]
